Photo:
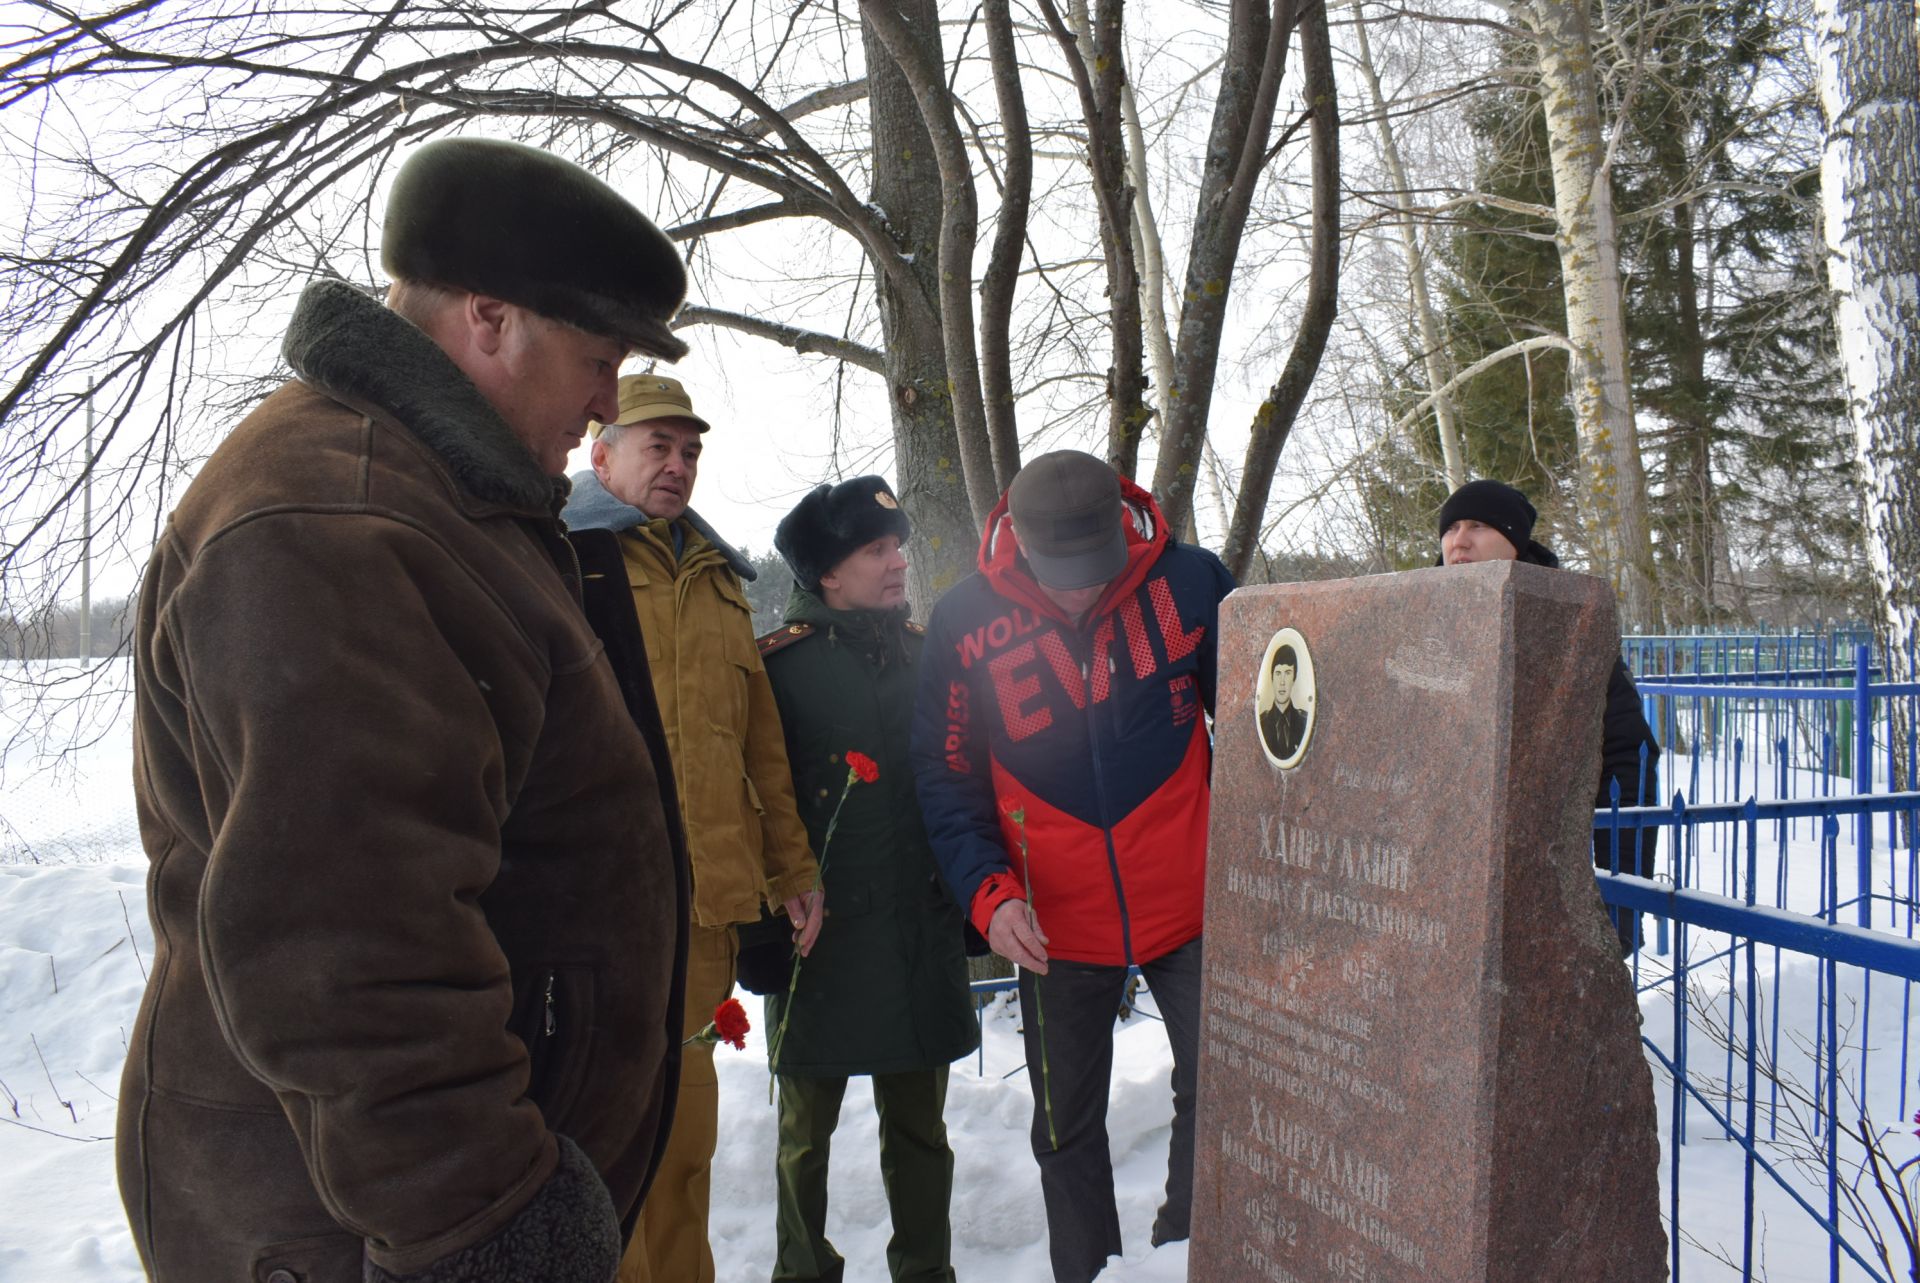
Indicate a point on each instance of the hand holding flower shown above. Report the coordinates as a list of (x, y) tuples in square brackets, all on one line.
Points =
[(1016, 936), (806, 913)]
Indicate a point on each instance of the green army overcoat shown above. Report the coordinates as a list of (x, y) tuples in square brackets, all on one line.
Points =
[(885, 988)]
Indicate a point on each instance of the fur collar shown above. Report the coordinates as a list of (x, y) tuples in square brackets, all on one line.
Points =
[(348, 345), (593, 507)]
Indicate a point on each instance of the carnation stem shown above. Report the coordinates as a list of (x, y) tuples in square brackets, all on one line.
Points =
[(1019, 818), (779, 1040)]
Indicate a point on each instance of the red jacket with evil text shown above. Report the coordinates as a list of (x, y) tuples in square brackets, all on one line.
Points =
[(1068, 764)]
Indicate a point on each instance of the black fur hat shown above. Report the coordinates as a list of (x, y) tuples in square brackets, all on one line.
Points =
[(832, 521), (524, 225)]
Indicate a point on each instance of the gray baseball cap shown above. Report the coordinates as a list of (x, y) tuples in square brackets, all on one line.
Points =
[(1066, 511)]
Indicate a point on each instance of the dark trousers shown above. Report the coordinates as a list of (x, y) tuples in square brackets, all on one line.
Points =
[(916, 1167), (1067, 1016), (1639, 854)]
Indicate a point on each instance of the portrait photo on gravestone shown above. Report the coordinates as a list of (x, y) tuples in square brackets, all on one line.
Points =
[(1284, 702)]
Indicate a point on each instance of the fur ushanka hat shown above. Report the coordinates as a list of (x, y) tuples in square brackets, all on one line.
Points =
[(833, 521), (524, 225)]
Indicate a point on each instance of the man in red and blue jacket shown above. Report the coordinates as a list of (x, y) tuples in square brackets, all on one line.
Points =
[(1061, 753)]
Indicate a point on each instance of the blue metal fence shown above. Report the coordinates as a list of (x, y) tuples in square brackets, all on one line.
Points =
[(1752, 894), (1726, 970), (1773, 715)]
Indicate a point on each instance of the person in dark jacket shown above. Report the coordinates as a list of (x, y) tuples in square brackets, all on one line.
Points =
[(1061, 751), (1490, 521), (884, 991), (417, 885)]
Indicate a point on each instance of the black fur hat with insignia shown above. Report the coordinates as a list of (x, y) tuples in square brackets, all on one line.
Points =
[(523, 225), (833, 522)]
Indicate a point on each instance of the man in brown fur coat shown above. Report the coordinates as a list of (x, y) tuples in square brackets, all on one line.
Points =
[(417, 884)]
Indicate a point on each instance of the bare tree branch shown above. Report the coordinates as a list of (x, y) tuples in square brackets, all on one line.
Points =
[(1274, 421), (805, 341)]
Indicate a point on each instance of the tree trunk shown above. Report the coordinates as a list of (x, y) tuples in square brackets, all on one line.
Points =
[(1098, 65), (1152, 260), (906, 187), (910, 32), (1614, 498), (1273, 422), (1696, 522), (1009, 240), (1869, 177), (1433, 349), (1236, 153)]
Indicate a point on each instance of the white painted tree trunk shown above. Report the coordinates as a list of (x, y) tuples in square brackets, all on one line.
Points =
[(1870, 187), (1614, 498)]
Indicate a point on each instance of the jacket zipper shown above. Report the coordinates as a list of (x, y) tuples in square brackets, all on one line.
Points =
[(1100, 794), (551, 1023)]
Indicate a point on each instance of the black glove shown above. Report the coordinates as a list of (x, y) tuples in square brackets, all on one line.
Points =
[(765, 962)]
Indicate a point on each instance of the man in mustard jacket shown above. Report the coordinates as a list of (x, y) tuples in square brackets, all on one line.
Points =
[(744, 835)]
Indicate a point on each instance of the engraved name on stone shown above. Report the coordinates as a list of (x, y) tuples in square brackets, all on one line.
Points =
[(1297, 1036), (1330, 1179)]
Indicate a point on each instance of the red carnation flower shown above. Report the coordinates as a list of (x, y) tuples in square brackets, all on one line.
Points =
[(865, 767), (730, 1023)]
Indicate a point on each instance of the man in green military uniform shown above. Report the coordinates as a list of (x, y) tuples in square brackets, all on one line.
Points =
[(884, 992)]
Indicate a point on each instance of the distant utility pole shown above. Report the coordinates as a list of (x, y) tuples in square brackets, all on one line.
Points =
[(86, 545)]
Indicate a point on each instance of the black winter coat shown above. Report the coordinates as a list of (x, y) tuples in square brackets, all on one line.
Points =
[(1623, 732), (885, 988)]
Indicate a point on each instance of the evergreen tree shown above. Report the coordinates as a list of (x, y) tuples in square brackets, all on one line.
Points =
[(1732, 353), (1733, 356)]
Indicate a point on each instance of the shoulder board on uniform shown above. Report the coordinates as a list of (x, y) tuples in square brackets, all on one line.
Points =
[(783, 637), (919, 630)]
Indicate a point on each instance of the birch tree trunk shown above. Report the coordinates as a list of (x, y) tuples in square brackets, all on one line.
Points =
[(1870, 188), (1614, 498), (1148, 254), (1433, 353)]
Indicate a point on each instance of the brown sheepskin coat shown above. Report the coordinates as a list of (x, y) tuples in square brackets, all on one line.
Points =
[(417, 883)]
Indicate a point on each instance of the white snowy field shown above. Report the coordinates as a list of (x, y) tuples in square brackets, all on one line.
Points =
[(74, 941)]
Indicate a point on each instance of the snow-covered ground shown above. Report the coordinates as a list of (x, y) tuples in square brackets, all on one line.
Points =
[(74, 942), (70, 980)]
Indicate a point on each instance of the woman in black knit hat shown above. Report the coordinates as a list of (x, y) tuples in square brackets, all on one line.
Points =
[(1491, 521)]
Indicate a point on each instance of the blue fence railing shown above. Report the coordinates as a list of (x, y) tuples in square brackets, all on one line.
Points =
[(1794, 718), (1789, 964)]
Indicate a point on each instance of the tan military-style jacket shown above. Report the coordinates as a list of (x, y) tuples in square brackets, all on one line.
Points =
[(723, 727)]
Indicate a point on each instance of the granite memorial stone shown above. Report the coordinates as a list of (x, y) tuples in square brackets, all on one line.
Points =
[(1420, 1051)]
